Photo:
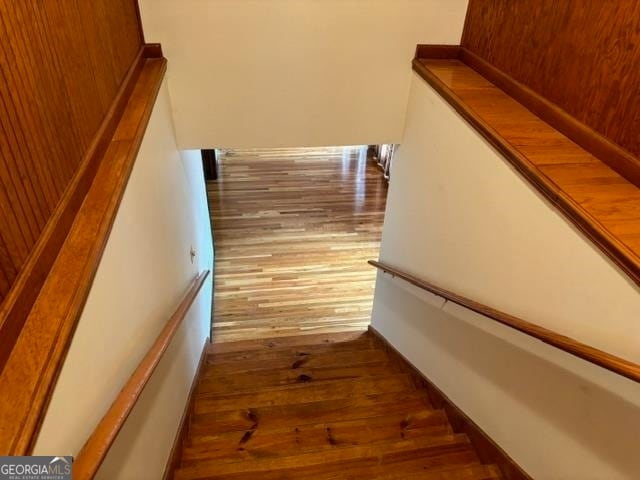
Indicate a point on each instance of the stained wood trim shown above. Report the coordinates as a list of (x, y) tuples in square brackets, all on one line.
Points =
[(30, 372), (598, 145), (579, 55), (173, 462), (16, 306), (97, 446), (209, 163), (593, 355), (64, 64), (153, 50), (593, 142), (607, 242), (139, 21), (488, 451), (438, 51)]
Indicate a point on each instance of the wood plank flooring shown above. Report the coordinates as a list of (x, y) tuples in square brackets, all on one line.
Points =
[(293, 231), (323, 406)]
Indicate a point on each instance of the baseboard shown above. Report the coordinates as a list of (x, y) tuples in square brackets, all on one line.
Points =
[(173, 462), (488, 451)]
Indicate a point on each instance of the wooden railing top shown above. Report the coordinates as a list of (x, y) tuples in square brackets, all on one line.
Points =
[(593, 355), (98, 444), (583, 175), (34, 359)]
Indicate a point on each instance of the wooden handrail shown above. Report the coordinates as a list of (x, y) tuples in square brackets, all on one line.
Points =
[(593, 355), (98, 444)]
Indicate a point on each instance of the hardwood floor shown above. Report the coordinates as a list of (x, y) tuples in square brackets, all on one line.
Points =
[(327, 406), (293, 231)]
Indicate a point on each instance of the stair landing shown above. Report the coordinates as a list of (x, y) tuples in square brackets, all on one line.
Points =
[(329, 407)]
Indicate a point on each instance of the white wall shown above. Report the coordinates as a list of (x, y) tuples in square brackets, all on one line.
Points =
[(144, 273), (269, 73), (458, 215)]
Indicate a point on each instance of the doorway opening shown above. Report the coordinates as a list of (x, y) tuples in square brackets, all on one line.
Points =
[(293, 231)]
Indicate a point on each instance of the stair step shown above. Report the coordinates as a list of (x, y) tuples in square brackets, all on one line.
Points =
[(292, 341), (319, 407), (304, 393), (456, 466), (469, 472), (260, 442), (322, 411), (295, 359), (432, 451), (251, 381), (363, 342)]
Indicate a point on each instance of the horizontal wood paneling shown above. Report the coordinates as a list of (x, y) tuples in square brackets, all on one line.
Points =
[(62, 64), (579, 55)]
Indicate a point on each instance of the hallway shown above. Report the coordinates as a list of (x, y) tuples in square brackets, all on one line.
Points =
[(293, 231)]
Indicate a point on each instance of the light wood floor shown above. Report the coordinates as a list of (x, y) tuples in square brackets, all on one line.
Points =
[(293, 232)]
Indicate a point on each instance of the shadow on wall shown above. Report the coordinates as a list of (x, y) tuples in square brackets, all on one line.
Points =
[(143, 445), (601, 420), (563, 402)]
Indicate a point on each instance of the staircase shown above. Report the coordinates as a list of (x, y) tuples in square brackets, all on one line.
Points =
[(318, 407)]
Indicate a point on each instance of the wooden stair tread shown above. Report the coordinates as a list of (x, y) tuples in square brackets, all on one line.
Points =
[(283, 416), (452, 466), (249, 381), (401, 472), (362, 342), (337, 458), (304, 393), (281, 342), (296, 360), (260, 442), (340, 409)]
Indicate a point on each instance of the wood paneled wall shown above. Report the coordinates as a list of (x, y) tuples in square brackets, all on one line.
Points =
[(582, 55), (62, 64)]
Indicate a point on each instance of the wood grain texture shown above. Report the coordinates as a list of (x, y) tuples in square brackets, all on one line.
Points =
[(581, 56), (29, 375), (438, 51), (594, 197), (293, 228), (61, 66), (66, 73), (593, 355), (283, 408), (26, 286), (97, 446), (488, 451)]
